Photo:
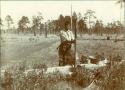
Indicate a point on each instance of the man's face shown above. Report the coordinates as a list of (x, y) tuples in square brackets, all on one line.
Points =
[(67, 27)]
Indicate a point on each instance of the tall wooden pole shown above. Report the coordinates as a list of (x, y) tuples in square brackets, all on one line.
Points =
[(75, 37), (124, 13), (71, 17)]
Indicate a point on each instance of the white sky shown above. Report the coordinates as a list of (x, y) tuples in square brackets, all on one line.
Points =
[(107, 11)]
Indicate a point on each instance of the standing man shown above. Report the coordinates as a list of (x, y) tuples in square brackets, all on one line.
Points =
[(66, 55)]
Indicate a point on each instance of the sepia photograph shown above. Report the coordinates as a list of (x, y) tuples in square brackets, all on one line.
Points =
[(62, 45)]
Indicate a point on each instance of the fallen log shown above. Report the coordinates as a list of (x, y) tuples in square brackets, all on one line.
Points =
[(64, 70)]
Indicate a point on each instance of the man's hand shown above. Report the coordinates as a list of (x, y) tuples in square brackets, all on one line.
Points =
[(73, 41)]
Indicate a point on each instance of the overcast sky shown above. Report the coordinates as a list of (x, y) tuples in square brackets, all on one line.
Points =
[(107, 11)]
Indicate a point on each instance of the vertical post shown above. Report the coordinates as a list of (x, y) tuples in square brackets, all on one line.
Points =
[(45, 27), (124, 25), (120, 12), (71, 16), (75, 37)]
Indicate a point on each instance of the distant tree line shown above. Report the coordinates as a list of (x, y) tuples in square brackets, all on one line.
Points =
[(82, 24)]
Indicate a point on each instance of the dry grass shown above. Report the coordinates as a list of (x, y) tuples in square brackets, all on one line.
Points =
[(106, 78), (108, 47), (111, 77)]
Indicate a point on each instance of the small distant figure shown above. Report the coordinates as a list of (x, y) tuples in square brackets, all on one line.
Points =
[(66, 55), (108, 37)]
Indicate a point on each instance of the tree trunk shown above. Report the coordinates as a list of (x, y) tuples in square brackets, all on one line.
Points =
[(89, 27), (45, 31), (34, 32), (8, 25), (40, 31)]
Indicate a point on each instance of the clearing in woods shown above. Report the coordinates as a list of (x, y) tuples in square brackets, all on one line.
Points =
[(30, 49)]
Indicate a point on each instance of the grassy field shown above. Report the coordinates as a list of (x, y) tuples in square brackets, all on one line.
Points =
[(27, 50), (30, 49), (108, 47)]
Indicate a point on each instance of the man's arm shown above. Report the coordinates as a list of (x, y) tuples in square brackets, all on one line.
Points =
[(63, 36), (72, 36)]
